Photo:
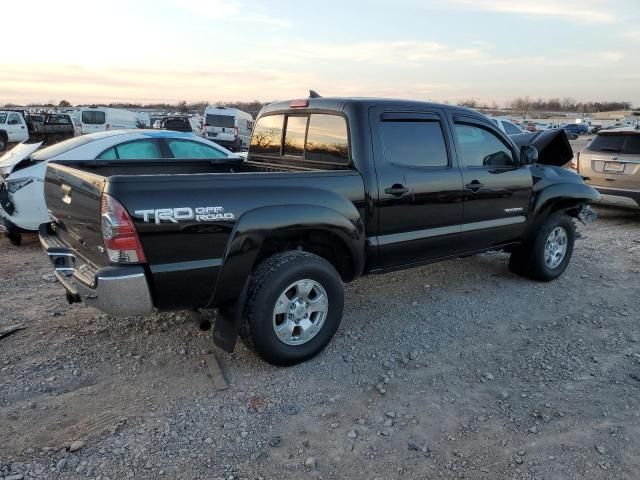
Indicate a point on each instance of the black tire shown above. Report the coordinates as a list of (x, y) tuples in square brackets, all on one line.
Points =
[(529, 259), (3, 144), (268, 282), (15, 238)]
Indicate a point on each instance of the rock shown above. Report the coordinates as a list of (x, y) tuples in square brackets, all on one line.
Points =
[(275, 441), (208, 440), (413, 355), (310, 463), (388, 423), (291, 409), (48, 277), (600, 449), (390, 414), (50, 379), (503, 395), (413, 446), (521, 453), (352, 434), (76, 445), (19, 476), (533, 429), (335, 425), (488, 376), (61, 464)]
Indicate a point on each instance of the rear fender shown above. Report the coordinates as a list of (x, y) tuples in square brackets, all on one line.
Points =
[(255, 226)]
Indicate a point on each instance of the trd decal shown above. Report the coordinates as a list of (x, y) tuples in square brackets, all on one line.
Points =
[(175, 215)]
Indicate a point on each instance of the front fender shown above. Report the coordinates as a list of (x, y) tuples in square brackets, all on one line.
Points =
[(255, 226)]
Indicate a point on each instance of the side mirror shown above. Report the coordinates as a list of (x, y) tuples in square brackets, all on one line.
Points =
[(528, 155)]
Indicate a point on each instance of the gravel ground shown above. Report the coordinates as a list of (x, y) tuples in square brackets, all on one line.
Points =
[(453, 370)]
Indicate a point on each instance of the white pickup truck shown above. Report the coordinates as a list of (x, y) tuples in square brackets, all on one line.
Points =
[(13, 128)]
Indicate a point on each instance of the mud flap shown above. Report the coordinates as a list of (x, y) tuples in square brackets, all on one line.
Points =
[(228, 321)]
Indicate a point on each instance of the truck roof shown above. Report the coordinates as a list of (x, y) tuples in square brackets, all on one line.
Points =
[(339, 104)]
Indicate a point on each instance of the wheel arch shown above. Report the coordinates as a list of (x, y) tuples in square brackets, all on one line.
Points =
[(265, 231)]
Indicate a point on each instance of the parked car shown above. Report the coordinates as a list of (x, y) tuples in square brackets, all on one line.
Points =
[(228, 126), (611, 164), (577, 128), (181, 123), (331, 189), (22, 205), (100, 119), (508, 127), (55, 128), (13, 128)]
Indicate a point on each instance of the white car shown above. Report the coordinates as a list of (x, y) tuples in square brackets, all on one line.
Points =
[(508, 127), (228, 126), (22, 170), (13, 128)]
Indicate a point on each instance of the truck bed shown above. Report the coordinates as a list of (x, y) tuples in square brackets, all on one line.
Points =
[(187, 249)]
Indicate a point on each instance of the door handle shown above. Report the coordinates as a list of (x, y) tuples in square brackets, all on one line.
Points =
[(474, 186), (396, 190)]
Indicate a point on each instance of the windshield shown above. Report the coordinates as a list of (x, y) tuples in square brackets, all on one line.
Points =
[(225, 121), (60, 148), (628, 143)]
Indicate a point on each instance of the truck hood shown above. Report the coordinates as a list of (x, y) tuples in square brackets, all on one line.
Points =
[(553, 146), (11, 159)]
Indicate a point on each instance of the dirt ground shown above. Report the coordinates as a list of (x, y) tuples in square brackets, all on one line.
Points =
[(453, 370)]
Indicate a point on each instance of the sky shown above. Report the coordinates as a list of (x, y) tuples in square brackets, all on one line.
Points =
[(88, 51)]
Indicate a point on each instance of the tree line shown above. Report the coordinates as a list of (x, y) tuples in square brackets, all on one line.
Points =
[(526, 104)]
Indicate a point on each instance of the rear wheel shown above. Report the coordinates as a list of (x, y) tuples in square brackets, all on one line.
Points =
[(3, 144), (293, 308), (546, 256)]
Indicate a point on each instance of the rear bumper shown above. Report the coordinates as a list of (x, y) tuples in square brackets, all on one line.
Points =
[(120, 291), (619, 198)]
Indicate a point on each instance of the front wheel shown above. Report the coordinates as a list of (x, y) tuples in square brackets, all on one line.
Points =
[(3, 144), (546, 256), (293, 308)]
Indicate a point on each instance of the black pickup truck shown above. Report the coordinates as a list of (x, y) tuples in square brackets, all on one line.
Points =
[(331, 189)]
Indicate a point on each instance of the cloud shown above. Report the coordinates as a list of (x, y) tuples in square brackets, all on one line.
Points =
[(632, 35), (563, 9)]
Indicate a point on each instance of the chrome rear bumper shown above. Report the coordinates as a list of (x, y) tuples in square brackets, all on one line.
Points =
[(121, 291)]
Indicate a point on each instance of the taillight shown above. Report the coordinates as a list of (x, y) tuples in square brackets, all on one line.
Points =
[(575, 162), (108, 126), (235, 132), (119, 234)]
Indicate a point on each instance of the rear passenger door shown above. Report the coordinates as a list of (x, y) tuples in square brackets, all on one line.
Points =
[(497, 190), (419, 187)]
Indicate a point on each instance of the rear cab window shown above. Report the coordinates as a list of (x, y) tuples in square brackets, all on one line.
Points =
[(316, 140), (224, 121)]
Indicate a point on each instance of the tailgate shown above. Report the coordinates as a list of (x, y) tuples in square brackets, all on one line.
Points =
[(73, 200)]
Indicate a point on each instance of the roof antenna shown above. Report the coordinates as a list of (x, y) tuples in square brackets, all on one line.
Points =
[(314, 94)]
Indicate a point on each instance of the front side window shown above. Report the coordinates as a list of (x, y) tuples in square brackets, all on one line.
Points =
[(3, 117), (267, 136), (189, 149), (14, 119), (90, 117), (414, 143), (479, 147), (294, 135)]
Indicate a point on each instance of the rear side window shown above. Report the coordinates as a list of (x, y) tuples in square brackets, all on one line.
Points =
[(93, 118), (327, 140), (616, 143), (267, 136), (414, 143), (14, 119), (3, 117), (188, 149), (479, 147), (136, 150)]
